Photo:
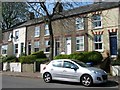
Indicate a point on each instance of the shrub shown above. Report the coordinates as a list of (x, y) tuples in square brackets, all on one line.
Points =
[(94, 56), (43, 60), (9, 59), (27, 59), (39, 54), (62, 56), (77, 56), (115, 62)]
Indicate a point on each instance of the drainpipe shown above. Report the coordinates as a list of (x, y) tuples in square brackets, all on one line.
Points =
[(119, 30), (26, 41)]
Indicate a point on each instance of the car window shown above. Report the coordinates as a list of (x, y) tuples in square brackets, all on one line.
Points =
[(81, 64), (57, 63), (68, 64)]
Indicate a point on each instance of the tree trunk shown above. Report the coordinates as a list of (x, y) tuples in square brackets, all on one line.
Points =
[(51, 40)]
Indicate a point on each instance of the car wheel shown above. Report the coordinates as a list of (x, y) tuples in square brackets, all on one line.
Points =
[(47, 77), (86, 80)]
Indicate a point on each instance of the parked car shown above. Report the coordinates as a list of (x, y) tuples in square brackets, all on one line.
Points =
[(73, 71)]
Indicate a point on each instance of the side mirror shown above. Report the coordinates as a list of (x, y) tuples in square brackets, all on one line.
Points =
[(75, 68)]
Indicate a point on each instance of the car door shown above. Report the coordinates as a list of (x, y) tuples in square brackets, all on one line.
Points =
[(70, 71), (57, 69)]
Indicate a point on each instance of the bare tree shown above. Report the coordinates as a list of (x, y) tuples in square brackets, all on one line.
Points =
[(49, 11), (13, 13)]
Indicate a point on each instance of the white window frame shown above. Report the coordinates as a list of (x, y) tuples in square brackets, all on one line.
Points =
[(16, 48), (10, 37), (4, 48), (47, 30), (96, 21), (36, 45), (16, 35), (79, 23), (37, 31), (98, 42), (81, 44), (47, 45)]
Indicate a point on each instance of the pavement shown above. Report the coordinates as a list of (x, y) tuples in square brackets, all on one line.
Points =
[(38, 75), (22, 74)]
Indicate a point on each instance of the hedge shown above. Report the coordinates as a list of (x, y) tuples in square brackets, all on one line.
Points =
[(39, 54), (27, 59), (115, 62), (62, 56), (93, 56), (9, 59)]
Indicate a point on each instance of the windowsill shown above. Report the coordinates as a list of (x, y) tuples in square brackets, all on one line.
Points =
[(47, 35), (46, 52), (79, 50), (80, 29), (95, 28), (99, 50), (36, 36)]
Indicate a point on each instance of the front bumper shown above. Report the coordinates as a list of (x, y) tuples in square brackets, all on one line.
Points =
[(100, 79)]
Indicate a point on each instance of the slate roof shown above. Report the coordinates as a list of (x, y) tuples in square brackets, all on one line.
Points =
[(77, 11), (92, 8)]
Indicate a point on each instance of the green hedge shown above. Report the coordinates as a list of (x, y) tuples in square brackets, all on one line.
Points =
[(39, 54), (93, 56), (77, 56), (42, 60), (9, 59), (115, 62), (27, 59), (62, 56)]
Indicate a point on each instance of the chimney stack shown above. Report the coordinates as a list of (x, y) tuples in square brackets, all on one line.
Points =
[(31, 15), (59, 8)]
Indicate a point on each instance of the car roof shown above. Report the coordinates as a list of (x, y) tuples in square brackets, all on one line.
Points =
[(62, 60)]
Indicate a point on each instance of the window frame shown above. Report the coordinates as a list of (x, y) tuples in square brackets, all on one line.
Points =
[(83, 47), (47, 45), (79, 23), (98, 42), (96, 21), (4, 49), (16, 49), (36, 46), (37, 31), (16, 35), (46, 30)]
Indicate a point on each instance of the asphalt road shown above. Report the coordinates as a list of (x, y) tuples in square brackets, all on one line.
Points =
[(22, 82)]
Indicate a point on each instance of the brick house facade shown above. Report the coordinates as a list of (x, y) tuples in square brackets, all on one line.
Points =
[(93, 27)]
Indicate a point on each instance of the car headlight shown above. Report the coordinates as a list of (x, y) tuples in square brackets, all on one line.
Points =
[(94, 72)]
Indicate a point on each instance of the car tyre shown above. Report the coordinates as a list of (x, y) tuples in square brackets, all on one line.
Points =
[(86, 80), (47, 77)]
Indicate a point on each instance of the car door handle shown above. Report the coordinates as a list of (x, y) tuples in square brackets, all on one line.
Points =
[(64, 71), (51, 69)]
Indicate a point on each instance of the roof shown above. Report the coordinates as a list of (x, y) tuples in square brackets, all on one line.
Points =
[(77, 11), (92, 8)]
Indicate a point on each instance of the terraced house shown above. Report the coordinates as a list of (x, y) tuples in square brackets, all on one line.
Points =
[(94, 27)]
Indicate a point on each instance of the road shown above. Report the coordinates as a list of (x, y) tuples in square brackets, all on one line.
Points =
[(22, 82)]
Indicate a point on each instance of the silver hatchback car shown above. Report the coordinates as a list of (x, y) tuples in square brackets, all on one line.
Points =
[(73, 71)]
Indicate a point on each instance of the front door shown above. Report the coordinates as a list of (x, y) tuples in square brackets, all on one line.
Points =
[(68, 46), (113, 43), (29, 48)]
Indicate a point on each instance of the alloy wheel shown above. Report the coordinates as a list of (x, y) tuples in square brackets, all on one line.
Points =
[(86, 80), (47, 77)]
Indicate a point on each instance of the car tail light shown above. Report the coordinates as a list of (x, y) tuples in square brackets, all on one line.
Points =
[(44, 68)]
